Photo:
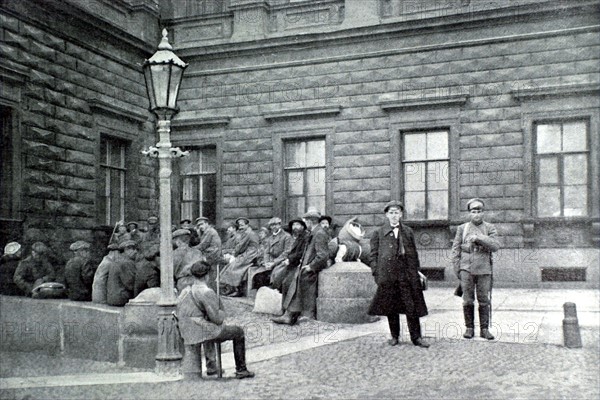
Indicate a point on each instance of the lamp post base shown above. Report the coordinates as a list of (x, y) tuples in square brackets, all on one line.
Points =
[(168, 358)]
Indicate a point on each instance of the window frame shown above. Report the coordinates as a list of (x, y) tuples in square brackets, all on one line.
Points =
[(560, 167), (125, 172), (303, 134), (180, 180)]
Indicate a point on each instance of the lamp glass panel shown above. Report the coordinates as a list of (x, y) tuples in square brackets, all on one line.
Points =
[(176, 74), (149, 86), (160, 82)]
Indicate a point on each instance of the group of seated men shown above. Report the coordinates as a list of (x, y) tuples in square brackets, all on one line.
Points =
[(132, 264)]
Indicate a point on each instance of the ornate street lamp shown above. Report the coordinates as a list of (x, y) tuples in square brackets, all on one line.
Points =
[(163, 73)]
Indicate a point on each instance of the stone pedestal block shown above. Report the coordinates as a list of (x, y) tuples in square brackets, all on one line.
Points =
[(345, 292)]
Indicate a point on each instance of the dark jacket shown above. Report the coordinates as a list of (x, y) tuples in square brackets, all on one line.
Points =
[(120, 282), (79, 275), (147, 275), (31, 273), (397, 276), (8, 266)]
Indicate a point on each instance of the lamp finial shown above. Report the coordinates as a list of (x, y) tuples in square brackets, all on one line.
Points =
[(164, 43)]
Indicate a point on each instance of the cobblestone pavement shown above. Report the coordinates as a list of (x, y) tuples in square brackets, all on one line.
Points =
[(367, 368)]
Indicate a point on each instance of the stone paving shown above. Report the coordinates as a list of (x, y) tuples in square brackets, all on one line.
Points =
[(317, 361)]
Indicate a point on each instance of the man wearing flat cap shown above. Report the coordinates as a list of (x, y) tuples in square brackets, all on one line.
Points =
[(396, 269), (184, 257), (134, 233), (34, 270), (244, 256), (472, 249), (210, 246), (101, 275), (121, 275), (300, 299), (79, 272), (276, 249), (201, 318)]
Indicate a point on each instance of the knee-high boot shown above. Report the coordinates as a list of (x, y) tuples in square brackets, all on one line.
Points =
[(484, 320), (469, 313)]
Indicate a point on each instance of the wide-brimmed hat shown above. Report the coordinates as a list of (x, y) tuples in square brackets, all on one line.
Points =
[(11, 248), (393, 203), (181, 232), (242, 219), (312, 214), (79, 245), (326, 218), (298, 220)]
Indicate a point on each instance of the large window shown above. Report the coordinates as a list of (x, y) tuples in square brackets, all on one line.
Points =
[(425, 166), (111, 202), (562, 171), (6, 164), (199, 184), (305, 176)]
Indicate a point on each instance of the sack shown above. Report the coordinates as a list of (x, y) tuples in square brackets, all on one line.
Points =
[(49, 290), (268, 301)]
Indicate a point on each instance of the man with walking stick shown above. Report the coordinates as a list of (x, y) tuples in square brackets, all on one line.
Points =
[(472, 249)]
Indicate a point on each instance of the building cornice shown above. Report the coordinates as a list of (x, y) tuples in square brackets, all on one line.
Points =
[(422, 102), (201, 122), (107, 108), (301, 112)]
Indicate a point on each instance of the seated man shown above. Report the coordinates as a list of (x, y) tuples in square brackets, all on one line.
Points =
[(244, 256), (121, 275), (277, 247), (79, 272), (34, 270), (184, 257), (147, 270), (201, 319), (101, 275), (210, 246)]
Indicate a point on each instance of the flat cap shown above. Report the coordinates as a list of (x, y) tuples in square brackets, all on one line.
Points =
[(201, 218), (393, 203), (152, 219), (132, 223), (127, 243), (274, 221), (185, 221), (181, 232), (112, 246), (11, 248), (79, 245)]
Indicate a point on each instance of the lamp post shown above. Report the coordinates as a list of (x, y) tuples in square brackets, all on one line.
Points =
[(163, 73)]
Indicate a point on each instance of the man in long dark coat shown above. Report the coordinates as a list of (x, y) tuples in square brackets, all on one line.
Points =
[(79, 272), (301, 298), (395, 265)]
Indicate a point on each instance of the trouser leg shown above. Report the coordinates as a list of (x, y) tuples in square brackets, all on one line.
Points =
[(468, 286), (414, 327), (394, 324), (236, 334), (210, 356)]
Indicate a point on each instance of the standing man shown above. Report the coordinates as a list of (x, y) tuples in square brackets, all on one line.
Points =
[(472, 249), (396, 268), (301, 298), (210, 246), (121, 275), (79, 272)]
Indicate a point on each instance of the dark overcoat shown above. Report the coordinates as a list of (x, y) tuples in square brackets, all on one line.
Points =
[(397, 276)]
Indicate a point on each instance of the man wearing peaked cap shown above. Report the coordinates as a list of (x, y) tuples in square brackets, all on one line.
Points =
[(101, 275), (278, 245), (79, 272), (472, 249), (246, 252), (397, 272), (181, 232), (121, 275), (210, 246)]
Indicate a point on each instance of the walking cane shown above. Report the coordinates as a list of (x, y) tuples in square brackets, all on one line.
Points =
[(218, 349)]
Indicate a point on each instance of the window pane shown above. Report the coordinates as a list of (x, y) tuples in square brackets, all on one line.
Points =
[(208, 160), (295, 154), (103, 151), (575, 200), (315, 182), (295, 207), (189, 164), (209, 210), (209, 187), (295, 183), (415, 146), (187, 191), (315, 153), (317, 202), (548, 204), (548, 139), (437, 201), (575, 169), (414, 176), (437, 175), (548, 170), (437, 145), (187, 211), (414, 203), (574, 136)]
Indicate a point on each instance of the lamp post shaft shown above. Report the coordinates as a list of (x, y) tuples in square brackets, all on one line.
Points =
[(168, 358)]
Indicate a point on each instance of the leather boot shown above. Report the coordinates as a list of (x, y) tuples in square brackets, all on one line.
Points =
[(469, 313), (239, 355), (287, 318), (484, 320)]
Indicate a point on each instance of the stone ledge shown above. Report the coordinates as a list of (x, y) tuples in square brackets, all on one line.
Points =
[(97, 104), (543, 92), (422, 102), (301, 112)]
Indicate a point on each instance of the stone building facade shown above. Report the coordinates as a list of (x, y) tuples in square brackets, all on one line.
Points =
[(337, 104)]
